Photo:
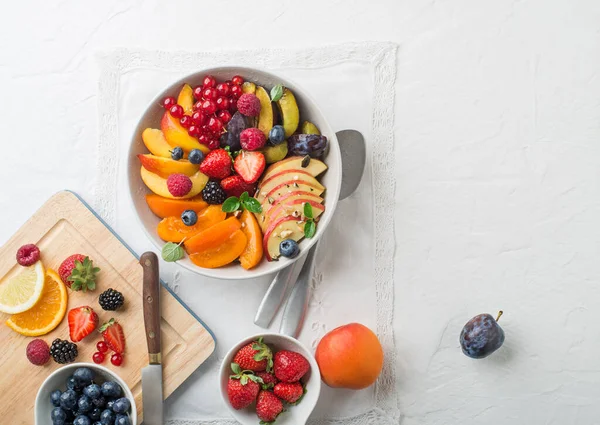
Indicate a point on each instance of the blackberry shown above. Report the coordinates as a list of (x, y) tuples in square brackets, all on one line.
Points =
[(63, 351), (111, 300), (213, 193)]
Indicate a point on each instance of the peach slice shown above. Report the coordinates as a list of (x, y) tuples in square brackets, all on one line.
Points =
[(158, 185), (186, 99), (314, 167), (253, 252), (294, 207), (172, 229), (156, 143), (176, 135), (288, 227), (164, 207), (164, 167)]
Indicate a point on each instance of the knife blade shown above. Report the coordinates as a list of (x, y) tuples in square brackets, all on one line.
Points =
[(152, 382)]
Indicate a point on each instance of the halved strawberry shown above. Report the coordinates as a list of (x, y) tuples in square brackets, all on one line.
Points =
[(82, 322), (113, 335), (235, 186), (249, 165)]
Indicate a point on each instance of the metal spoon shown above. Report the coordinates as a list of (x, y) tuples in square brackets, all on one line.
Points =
[(353, 152)]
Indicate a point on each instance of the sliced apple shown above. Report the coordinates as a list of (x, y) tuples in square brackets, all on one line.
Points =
[(294, 208), (314, 166), (290, 114), (164, 167), (289, 187), (267, 203), (287, 227), (288, 177), (176, 135), (265, 118), (156, 143), (186, 99), (158, 185)]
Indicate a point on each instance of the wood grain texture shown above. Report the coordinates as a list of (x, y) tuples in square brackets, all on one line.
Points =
[(61, 227), (151, 297)]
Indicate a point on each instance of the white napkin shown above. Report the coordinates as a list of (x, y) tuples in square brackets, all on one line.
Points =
[(353, 84)]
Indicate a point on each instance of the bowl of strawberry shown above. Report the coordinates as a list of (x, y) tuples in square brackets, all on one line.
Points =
[(234, 172), (270, 377)]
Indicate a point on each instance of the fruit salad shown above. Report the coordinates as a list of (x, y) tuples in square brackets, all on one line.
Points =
[(233, 174)]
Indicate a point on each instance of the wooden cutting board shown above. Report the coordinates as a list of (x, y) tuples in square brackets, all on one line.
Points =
[(64, 225)]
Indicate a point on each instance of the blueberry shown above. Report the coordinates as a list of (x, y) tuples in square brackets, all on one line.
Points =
[(111, 389), (177, 153), (276, 135), (481, 336), (82, 420), (84, 376), (84, 404), (68, 400), (58, 416), (289, 248), (122, 420), (107, 417), (99, 402), (55, 397), (73, 384), (189, 217), (93, 391), (195, 156), (110, 403), (94, 414), (121, 405), (97, 423)]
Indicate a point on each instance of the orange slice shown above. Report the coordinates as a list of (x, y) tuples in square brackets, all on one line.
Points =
[(47, 313)]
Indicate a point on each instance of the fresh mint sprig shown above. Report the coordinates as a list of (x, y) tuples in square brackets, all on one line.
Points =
[(244, 202), (310, 227)]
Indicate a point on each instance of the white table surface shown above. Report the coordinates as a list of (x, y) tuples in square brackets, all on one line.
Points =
[(497, 199)]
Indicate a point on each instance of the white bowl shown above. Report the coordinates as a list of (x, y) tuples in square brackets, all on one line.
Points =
[(295, 415), (331, 179), (57, 380)]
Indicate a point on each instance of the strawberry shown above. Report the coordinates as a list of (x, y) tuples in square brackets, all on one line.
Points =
[(256, 357), (235, 186), (242, 388), (269, 380), (290, 366), (82, 322), (249, 165), (268, 406), (78, 273), (217, 164), (113, 335), (290, 393)]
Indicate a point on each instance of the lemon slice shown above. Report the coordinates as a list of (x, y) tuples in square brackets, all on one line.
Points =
[(19, 293)]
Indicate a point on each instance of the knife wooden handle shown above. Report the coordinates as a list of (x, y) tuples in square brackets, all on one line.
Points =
[(151, 294)]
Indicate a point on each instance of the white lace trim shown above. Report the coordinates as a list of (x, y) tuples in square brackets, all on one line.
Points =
[(382, 56)]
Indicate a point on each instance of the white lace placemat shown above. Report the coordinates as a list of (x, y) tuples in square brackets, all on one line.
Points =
[(354, 86)]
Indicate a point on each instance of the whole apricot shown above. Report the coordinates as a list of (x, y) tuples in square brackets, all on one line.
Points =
[(350, 356)]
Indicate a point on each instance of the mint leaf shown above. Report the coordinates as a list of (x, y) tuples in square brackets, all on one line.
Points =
[(252, 205), (276, 93), (231, 204), (308, 212), (172, 252), (244, 197), (310, 228)]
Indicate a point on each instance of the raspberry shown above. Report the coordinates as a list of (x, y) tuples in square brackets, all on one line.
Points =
[(252, 139), (28, 255), (38, 352), (249, 105), (179, 185)]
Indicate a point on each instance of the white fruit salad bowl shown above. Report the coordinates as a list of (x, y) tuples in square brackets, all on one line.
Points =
[(287, 183)]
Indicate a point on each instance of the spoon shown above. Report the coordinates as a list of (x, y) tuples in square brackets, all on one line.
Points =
[(353, 151)]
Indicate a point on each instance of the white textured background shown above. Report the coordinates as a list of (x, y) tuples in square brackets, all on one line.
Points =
[(497, 203)]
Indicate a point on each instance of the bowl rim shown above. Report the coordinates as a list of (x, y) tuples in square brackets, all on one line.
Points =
[(120, 381), (315, 371), (332, 192)]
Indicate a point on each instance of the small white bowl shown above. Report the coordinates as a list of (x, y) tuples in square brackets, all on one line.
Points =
[(294, 415), (331, 179), (58, 381)]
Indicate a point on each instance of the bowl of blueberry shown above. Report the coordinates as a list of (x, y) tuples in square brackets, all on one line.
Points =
[(84, 394)]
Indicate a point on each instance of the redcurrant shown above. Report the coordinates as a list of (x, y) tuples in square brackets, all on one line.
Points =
[(215, 125), (223, 89), (237, 80), (98, 357), (210, 94), (116, 359), (185, 121), (222, 103), (224, 116), (236, 91), (198, 118), (213, 144), (209, 81), (209, 107), (198, 92), (203, 138), (232, 105), (176, 111), (194, 131), (102, 346), (168, 102)]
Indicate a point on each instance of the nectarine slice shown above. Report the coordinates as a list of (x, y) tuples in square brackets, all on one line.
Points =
[(253, 252), (172, 229), (212, 237), (186, 99), (156, 143), (164, 167), (176, 135), (165, 207), (158, 185)]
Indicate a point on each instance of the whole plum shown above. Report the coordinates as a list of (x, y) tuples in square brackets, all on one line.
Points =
[(481, 336), (307, 144), (235, 126)]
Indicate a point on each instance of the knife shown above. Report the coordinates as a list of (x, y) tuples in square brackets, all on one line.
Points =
[(152, 382)]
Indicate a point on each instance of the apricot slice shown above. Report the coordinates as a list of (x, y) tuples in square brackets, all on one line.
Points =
[(164, 167), (213, 236), (253, 252), (172, 229), (226, 252), (186, 99), (165, 207)]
